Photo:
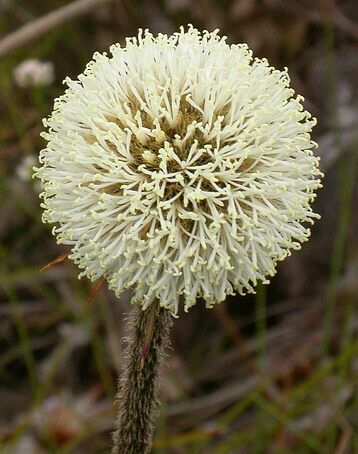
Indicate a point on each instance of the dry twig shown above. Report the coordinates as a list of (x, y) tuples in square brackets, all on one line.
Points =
[(43, 25)]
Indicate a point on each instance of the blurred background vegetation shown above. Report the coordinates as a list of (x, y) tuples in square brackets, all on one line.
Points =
[(271, 373)]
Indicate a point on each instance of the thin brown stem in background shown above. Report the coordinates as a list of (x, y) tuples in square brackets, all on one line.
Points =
[(39, 27)]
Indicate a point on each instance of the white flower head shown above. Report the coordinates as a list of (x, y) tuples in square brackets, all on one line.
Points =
[(179, 166), (34, 73), (24, 170)]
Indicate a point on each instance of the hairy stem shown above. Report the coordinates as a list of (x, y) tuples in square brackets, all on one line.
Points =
[(138, 387)]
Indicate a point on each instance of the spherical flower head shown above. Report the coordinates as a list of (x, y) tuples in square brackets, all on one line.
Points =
[(181, 167)]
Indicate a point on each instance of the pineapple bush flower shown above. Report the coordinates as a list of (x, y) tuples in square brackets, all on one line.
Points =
[(181, 167)]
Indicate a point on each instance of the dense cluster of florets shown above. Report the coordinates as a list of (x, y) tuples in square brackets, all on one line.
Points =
[(181, 167)]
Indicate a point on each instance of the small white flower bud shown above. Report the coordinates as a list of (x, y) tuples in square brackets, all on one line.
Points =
[(34, 73)]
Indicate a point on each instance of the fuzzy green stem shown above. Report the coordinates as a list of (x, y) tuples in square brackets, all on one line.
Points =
[(137, 396)]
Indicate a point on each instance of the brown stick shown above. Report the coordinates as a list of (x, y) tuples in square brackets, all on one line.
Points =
[(41, 26)]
